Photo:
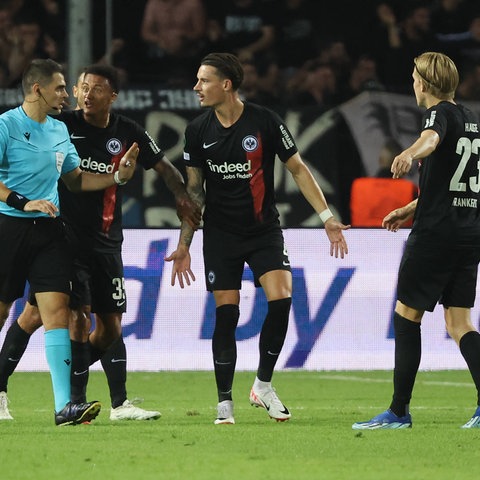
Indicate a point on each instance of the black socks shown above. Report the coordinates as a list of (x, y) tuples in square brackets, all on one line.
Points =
[(114, 363), (408, 351), (272, 337), (224, 349), (470, 348), (14, 346)]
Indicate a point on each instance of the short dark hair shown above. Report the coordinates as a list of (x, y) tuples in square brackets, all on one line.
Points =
[(106, 71), (39, 71), (227, 65)]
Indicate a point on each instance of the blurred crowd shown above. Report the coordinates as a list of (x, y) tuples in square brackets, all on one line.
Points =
[(296, 53)]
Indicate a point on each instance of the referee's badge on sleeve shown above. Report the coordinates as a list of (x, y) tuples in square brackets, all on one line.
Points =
[(59, 159)]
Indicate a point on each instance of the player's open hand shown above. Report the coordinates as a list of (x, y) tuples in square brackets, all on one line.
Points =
[(338, 244), (181, 267), (127, 165)]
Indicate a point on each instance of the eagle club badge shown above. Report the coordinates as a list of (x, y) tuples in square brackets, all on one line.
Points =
[(114, 146)]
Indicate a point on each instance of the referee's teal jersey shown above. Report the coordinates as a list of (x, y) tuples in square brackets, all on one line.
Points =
[(33, 156)]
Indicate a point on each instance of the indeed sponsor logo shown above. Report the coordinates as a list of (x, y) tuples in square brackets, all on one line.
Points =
[(93, 166), (230, 167)]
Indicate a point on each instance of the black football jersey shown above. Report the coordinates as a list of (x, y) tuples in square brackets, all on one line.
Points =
[(96, 216), (238, 166), (449, 181)]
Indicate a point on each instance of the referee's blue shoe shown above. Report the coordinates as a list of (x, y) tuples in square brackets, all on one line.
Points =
[(385, 420), (75, 413), (474, 422)]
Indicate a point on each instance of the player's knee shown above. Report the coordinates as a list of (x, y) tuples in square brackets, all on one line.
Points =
[(4, 312), (30, 319), (226, 321)]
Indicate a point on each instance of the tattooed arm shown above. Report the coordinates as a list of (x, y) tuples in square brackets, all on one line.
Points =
[(181, 256)]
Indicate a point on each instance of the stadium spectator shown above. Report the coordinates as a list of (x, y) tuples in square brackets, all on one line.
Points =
[(469, 86), (296, 35), (243, 27), (314, 85), (175, 31), (5, 26), (252, 89), (400, 36), (30, 29), (27, 42), (464, 47), (363, 77), (450, 16)]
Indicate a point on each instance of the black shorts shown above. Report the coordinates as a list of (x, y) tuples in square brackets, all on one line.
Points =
[(33, 250), (99, 281), (431, 274), (225, 255)]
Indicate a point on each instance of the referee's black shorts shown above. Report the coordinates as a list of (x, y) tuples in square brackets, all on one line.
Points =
[(225, 255), (33, 250), (431, 274)]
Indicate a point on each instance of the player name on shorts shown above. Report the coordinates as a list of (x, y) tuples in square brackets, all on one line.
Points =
[(464, 202)]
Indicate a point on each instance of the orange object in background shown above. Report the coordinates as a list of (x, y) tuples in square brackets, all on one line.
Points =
[(372, 198)]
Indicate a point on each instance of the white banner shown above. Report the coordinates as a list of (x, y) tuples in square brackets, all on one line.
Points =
[(341, 315)]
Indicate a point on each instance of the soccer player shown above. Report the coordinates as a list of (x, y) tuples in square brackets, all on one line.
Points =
[(35, 151), (231, 149), (96, 238), (441, 257)]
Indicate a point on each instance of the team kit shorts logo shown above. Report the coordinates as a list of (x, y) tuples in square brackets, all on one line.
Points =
[(211, 277), (250, 143), (114, 146)]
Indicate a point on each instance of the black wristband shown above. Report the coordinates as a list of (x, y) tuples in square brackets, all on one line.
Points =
[(17, 201)]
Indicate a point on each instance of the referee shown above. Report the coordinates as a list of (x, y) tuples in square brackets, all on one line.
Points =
[(35, 151)]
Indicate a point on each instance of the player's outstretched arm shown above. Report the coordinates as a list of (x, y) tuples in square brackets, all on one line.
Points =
[(79, 181), (314, 195), (421, 148)]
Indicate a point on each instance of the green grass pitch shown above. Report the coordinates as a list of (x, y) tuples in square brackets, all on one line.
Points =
[(317, 443)]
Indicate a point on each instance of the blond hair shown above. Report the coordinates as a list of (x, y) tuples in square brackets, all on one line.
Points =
[(439, 74)]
